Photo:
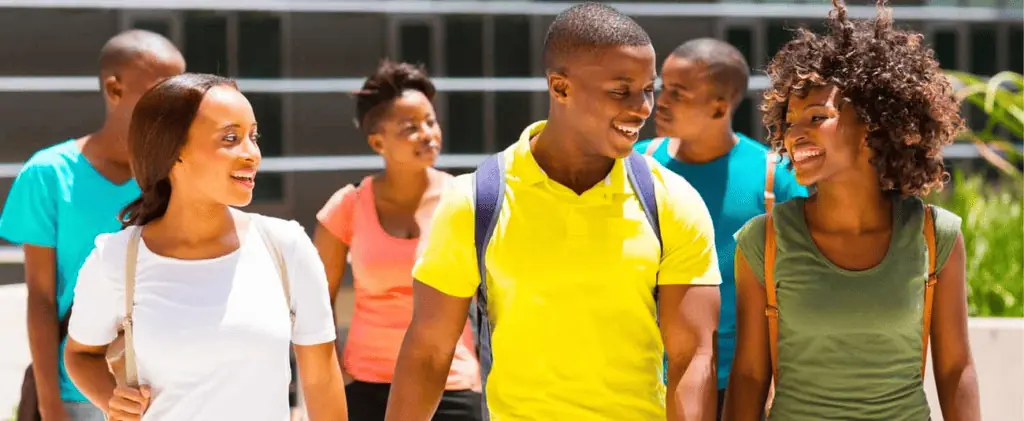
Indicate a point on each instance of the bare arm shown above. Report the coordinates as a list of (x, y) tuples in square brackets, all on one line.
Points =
[(751, 367), (44, 327), (689, 327), (322, 384), (333, 252), (955, 378), (87, 367), (437, 323)]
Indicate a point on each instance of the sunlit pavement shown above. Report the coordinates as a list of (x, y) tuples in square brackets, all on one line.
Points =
[(14, 356)]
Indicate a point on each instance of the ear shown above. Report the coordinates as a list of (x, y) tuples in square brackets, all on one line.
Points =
[(112, 89), (720, 109), (376, 142), (558, 86)]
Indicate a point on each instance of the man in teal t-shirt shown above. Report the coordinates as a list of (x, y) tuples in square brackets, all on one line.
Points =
[(66, 195), (704, 80)]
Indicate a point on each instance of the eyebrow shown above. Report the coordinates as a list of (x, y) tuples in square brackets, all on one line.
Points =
[(235, 126)]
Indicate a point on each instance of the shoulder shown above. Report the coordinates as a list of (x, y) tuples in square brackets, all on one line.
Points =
[(641, 145), (286, 229), (111, 249), (52, 161), (677, 191), (749, 145)]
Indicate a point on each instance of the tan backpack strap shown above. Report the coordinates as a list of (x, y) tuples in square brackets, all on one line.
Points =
[(929, 289), (772, 309), (653, 146), (130, 368), (769, 182), (279, 263)]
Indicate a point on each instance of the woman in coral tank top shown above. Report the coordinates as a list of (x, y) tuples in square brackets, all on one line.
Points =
[(377, 225)]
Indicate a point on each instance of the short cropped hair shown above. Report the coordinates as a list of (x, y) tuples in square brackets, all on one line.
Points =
[(128, 46), (728, 71), (586, 28)]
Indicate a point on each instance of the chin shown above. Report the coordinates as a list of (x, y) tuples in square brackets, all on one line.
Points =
[(239, 201)]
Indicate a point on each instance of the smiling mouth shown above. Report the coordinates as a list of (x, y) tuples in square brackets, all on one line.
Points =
[(807, 153), (246, 180), (627, 131)]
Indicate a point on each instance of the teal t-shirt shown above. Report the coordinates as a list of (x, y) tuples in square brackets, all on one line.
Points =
[(59, 200), (732, 187)]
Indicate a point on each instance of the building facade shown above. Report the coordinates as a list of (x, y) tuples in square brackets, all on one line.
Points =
[(66, 42)]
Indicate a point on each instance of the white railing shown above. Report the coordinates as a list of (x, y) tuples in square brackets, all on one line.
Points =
[(721, 10)]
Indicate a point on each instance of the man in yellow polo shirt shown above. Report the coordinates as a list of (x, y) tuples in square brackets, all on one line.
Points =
[(582, 298)]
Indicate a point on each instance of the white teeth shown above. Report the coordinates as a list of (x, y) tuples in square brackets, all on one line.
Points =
[(632, 131), (802, 154)]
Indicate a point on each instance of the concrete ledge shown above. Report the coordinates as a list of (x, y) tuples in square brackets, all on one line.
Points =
[(997, 344)]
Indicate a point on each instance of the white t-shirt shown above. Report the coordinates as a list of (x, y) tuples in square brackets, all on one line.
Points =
[(211, 336)]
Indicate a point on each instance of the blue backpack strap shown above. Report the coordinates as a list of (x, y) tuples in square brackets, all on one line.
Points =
[(488, 195), (639, 175)]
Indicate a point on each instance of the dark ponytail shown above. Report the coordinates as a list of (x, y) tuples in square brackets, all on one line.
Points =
[(156, 135), (151, 205)]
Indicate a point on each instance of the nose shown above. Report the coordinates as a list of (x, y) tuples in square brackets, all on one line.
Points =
[(641, 105), (250, 151), (793, 134)]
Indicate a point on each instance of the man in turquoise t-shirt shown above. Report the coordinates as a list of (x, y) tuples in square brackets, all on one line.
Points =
[(704, 80), (66, 195)]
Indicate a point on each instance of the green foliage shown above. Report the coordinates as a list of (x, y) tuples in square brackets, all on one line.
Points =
[(1002, 99), (993, 230)]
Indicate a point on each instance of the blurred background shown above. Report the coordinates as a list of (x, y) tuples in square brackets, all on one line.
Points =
[(296, 61)]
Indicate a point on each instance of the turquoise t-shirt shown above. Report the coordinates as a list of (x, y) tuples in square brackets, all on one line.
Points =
[(59, 200), (733, 190)]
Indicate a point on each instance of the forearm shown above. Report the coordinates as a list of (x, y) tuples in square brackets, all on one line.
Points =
[(44, 346), (420, 376), (745, 397), (325, 396), (92, 377), (958, 395), (694, 396)]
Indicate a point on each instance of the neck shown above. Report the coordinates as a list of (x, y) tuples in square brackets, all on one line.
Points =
[(560, 152), (854, 204), (104, 146), (195, 221), (403, 184), (713, 144)]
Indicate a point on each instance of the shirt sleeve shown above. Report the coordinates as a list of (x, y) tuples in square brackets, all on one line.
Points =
[(99, 298), (314, 319), (448, 261), (688, 236), (750, 240), (336, 215), (30, 212)]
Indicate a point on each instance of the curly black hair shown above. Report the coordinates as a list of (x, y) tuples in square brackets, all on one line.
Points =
[(389, 82), (892, 80)]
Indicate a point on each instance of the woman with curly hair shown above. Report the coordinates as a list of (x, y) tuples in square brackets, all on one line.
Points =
[(377, 225), (863, 113)]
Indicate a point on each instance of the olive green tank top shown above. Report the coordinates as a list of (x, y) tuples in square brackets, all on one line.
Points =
[(849, 341)]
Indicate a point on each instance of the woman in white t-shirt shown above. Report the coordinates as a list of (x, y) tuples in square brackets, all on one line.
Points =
[(211, 322)]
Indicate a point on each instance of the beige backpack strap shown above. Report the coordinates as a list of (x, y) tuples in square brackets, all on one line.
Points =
[(130, 368), (653, 146), (929, 289), (772, 308), (275, 252)]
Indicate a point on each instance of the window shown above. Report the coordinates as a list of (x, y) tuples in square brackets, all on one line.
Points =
[(416, 41), (946, 51), (743, 39), (253, 51), (476, 46), (1015, 56)]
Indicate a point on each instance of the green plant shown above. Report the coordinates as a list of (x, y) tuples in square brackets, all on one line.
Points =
[(1002, 99), (993, 239)]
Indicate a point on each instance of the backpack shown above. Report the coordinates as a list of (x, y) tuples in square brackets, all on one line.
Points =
[(488, 196)]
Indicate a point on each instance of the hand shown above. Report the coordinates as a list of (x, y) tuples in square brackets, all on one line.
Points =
[(128, 404)]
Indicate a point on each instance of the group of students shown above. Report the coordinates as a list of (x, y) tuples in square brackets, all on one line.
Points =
[(578, 274)]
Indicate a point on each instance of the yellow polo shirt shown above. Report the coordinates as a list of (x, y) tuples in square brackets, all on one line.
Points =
[(570, 280)]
